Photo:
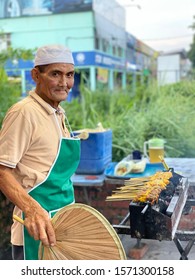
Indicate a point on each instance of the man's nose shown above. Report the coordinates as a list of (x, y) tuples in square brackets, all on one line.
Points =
[(63, 81)]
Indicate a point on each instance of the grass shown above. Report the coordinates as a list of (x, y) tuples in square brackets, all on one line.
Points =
[(167, 112)]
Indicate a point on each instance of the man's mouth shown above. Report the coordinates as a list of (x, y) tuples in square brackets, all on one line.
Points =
[(62, 90)]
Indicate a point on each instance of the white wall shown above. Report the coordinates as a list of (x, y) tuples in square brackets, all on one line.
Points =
[(168, 69)]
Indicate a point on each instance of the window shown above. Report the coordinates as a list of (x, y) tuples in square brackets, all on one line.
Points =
[(4, 41), (105, 45)]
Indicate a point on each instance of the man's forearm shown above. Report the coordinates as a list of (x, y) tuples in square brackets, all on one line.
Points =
[(15, 192)]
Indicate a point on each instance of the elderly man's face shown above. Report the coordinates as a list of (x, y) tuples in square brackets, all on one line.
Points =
[(55, 82)]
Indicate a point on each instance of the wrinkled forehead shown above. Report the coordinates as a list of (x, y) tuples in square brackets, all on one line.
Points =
[(58, 67)]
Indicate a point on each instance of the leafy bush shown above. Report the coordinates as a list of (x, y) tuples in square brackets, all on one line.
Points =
[(166, 112), (9, 93)]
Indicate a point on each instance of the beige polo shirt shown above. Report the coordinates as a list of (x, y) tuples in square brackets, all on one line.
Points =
[(29, 141)]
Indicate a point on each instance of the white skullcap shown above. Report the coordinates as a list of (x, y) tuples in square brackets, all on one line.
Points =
[(53, 54)]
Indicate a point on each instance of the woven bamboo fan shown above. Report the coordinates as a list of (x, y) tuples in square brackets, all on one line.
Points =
[(82, 233)]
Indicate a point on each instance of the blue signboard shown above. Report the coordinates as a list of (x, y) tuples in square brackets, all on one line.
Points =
[(95, 58), (86, 58)]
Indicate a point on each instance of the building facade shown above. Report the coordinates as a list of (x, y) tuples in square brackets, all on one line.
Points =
[(105, 55)]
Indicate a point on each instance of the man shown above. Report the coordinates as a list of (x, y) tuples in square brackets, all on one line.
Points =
[(37, 154)]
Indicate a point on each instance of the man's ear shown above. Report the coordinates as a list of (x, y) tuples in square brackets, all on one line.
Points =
[(35, 75)]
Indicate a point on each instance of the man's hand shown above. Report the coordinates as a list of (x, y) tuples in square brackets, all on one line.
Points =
[(39, 226)]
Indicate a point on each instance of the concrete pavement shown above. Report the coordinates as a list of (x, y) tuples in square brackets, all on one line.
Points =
[(155, 249)]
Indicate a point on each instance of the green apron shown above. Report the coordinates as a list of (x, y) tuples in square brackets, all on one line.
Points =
[(56, 191)]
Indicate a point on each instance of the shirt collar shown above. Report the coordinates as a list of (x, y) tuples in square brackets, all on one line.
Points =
[(48, 108)]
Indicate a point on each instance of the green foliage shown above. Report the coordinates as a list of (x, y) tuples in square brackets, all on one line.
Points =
[(11, 53), (10, 89), (167, 112), (9, 93), (191, 52)]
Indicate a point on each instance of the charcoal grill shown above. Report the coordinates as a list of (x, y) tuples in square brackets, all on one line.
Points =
[(160, 221)]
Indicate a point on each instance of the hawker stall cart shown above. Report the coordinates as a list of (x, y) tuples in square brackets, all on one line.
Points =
[(155, 211)]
